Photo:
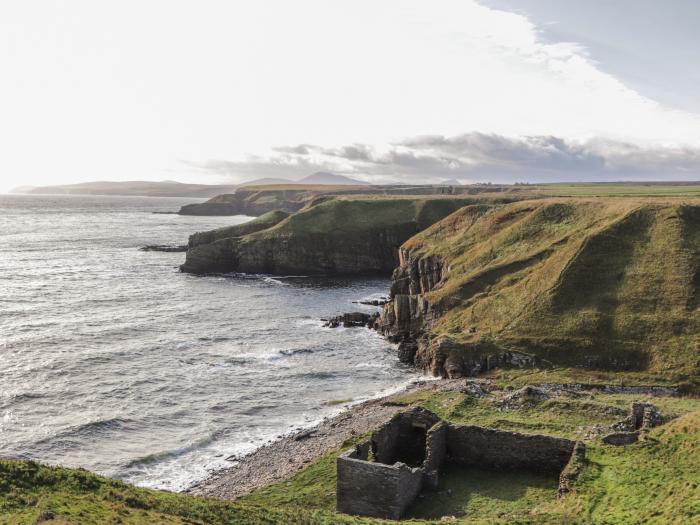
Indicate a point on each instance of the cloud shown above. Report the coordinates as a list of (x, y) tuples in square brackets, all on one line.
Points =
[(476, 157)]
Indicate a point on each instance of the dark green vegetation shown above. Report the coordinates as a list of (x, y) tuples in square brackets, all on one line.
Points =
[(331, 235), (653, 481), (609, 284)]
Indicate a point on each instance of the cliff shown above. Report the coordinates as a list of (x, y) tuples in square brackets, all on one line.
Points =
[(253, 202), (606, 283), (332, 235), (266, 220), (256, 200)]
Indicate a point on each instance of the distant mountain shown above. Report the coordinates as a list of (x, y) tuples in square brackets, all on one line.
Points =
[(450, 182), (135, 188), (267, 181), (175, 189), (324, 177), (23, 189)]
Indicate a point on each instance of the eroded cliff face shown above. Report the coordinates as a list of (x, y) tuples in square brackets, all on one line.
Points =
[(312, 253), (408, 317)]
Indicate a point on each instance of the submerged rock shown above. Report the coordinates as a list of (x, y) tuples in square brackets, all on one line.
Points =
[(353, 319), (164, 248)]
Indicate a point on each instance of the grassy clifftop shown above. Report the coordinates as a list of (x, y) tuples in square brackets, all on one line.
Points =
[(610, 283), (331, 235), (265, 221), (256, 200)]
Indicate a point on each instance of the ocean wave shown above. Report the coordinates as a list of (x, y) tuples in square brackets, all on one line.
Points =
[(383, 366), (99, 427), (268, 356), (272, 280), (202, 341), (157, 457), (320, 375)]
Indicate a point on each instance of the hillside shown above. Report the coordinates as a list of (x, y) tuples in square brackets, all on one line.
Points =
[(128, 188), (332, 235), (265, 221), (324, 177), (256, 200), (598, 283)]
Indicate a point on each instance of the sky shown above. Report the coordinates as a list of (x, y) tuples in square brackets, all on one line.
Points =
[(397, 90)]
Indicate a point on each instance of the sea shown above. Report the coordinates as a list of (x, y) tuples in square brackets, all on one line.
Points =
[(114, 361)]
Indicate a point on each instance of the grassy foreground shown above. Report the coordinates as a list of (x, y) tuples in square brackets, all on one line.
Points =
[(654, 481)]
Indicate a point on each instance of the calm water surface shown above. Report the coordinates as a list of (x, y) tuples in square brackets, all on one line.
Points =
[(112, 360)]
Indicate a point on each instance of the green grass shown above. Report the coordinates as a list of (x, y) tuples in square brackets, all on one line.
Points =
[(609, 284), (264, 221), (617, 189), (654, 481), (356, 214), (613, 477), (475, 493)]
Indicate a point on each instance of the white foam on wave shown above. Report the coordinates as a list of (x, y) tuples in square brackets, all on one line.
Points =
[(182, 468)]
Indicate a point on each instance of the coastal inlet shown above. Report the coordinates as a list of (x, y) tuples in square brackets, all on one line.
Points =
[(114, 361)]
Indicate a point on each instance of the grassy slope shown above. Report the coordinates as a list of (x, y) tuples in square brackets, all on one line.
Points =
[(267, 220), (650, 482), (608, 282), (357, 214), (618, 189)]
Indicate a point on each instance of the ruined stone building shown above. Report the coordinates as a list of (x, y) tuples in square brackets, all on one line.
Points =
[(382, 476)]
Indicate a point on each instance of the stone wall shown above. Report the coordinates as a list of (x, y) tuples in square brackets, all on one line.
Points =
[(435, 452), (487, 447), (374, 479), (374, 489), (403, 437)]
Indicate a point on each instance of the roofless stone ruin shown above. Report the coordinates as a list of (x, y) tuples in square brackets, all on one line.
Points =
[(382, 476)]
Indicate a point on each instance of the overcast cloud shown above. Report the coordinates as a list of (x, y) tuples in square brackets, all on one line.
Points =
[(474, 157), (416, 89)]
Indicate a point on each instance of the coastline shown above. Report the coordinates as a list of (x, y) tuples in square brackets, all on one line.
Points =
[(283, 457)]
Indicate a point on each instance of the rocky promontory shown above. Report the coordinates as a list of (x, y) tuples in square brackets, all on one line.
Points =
[(265, 221), (332, 235), (609, 284), (256, 200)]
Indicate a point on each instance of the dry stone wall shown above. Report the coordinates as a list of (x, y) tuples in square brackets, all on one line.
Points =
[(374, 479)]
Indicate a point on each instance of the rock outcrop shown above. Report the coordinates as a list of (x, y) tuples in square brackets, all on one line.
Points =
[(353, 319), (164, 248)]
